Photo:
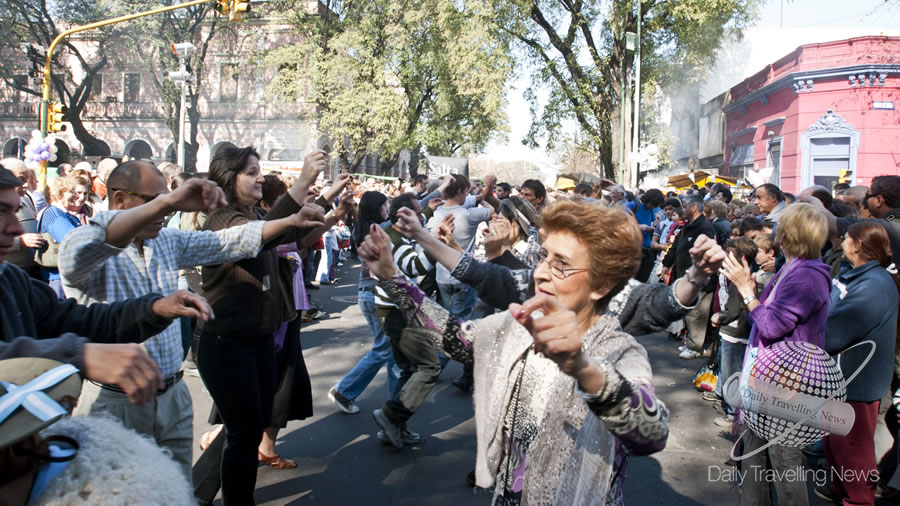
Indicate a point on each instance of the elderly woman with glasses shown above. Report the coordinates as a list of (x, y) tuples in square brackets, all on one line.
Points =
[(66, 212), (562, 394)]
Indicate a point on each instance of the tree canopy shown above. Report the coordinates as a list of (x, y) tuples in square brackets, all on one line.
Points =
[(39, 22), (577, 48), (389, 75)]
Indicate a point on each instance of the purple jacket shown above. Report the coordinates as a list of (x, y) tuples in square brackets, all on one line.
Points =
[(799, 309)]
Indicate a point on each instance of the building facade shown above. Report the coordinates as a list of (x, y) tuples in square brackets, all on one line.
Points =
[(822, 112), (126, 112)]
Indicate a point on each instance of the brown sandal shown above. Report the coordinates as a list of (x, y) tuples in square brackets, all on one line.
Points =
[(276, 461)]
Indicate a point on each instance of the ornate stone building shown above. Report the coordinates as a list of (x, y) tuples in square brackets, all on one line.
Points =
[(125, 110)]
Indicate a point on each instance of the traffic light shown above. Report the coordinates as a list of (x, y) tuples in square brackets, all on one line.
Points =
[(222, 6), (845, 177), (237, 9), (56, 115)]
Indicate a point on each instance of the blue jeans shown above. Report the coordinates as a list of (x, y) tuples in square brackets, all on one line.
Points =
[(353, 384), (731, 360), (459, 299), (324, 271)]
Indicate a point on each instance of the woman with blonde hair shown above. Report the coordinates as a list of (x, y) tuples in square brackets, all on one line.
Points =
[(562, 395), (793, 307), (66, 212)]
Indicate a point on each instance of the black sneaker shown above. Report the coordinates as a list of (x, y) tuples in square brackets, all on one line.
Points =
[(391, 430), (824, 493), (407, 436), (463, 382), (470, 479)]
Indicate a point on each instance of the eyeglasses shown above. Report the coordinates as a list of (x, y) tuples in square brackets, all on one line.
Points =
[(557, 270), (146, 198), (870, 195)]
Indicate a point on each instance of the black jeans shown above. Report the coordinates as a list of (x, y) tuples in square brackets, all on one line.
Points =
[(239, 373), (648, 259)]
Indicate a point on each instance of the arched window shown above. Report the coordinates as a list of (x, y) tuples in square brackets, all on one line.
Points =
[(14, 148), (138, 150)]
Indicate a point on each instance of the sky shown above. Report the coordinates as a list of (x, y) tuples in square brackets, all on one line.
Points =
[(782, 27)]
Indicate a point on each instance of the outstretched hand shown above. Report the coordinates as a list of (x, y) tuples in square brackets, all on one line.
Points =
[(309, 216), (376, 250), (125, 365), (183, 304), (345, 206), (707, 255), (554, 329), (313, 164), (738, 272), (408, 224), (339, 184), (195, 195)]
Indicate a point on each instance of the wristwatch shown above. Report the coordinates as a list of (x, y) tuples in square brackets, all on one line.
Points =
[(749, 299)]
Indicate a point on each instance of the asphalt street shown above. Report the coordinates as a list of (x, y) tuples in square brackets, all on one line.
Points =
[(340, 461)]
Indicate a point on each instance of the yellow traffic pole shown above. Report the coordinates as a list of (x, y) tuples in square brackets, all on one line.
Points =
[(45, 99)]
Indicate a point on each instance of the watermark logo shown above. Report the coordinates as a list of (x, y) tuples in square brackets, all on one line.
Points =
[(792, 394)]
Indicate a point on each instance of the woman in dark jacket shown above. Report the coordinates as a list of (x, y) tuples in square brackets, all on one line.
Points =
[(236, 355), (864, 303)]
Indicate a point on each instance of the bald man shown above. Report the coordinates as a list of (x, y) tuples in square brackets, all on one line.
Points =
[(819, 192), (127, 252)]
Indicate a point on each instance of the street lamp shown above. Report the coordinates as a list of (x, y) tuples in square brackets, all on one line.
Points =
[(183, 76), (637, 95)]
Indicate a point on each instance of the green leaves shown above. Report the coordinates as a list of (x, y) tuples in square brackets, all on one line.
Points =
[(577, 51), (388, 75)]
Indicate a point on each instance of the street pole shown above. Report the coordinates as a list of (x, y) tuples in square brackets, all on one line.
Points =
[(45, 96), (622, 133), (181, 123), (635, 143)]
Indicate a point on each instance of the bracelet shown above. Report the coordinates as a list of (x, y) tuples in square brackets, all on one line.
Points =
[(698, 284)]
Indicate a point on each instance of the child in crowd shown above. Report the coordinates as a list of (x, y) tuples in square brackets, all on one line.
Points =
[(766, 252), (734, 329), (677, 222)]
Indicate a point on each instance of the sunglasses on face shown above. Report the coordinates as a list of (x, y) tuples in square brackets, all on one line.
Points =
[(143, 196)]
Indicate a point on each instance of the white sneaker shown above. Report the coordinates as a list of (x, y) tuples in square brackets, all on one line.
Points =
[(342, 403), (682, 348), (689, 353)]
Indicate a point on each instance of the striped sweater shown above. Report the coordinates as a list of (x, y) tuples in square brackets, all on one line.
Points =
[(410, 259)]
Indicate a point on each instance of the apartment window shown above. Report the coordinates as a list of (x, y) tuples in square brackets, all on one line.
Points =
[(131, 87), (741, 160), (773, 160), (828, 157), (96, 89), (228, 83), (9, 92)]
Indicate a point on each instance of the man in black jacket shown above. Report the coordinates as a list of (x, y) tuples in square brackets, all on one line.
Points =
[(35, 323), (679, 259)]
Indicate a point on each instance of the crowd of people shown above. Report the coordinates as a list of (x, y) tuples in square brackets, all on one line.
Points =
[(537, 293)]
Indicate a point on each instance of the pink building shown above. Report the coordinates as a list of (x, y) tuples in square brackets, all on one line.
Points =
[(822, 111)]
